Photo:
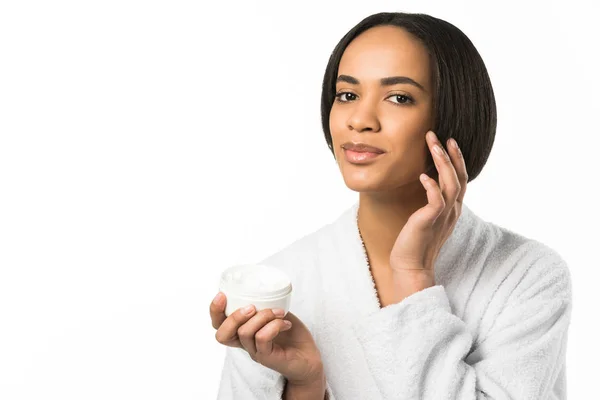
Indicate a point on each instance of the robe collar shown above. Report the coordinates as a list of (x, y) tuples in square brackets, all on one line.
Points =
[(359, 281)]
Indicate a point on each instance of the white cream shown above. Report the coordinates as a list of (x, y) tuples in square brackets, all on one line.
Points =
[(258, 284), (257, 278)]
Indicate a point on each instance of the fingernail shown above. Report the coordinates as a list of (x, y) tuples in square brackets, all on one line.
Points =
[(248, 309), (438, 149), (287, 324), (278, 312), (432, 135), (218, 298), (453, 143)]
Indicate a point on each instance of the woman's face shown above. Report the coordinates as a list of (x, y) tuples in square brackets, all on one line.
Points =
[(394, 118)]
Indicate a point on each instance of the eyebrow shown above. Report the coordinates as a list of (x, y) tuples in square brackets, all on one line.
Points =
[(389, 81)]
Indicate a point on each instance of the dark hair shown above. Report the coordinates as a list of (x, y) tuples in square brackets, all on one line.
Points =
[(464, 106)]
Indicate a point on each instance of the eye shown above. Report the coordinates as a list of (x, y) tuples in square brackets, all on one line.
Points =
[(404, 98), (340, 94), (407, 99)]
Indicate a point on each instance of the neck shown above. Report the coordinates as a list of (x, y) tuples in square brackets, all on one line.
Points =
[(381, 217)]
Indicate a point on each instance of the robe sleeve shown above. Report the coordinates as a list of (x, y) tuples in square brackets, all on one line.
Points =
[(418, 348), (244, 378)]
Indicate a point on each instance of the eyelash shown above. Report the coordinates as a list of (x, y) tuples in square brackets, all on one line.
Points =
[(410, 100)]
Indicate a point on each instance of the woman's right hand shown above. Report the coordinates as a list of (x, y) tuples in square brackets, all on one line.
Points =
[(270, 340)]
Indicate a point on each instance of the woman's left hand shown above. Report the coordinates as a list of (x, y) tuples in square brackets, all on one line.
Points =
[(420, 240)]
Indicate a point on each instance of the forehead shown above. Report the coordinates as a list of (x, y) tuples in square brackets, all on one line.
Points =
[(385, 51)]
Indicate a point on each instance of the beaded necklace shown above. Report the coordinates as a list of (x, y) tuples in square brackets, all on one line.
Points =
[(368, 263)]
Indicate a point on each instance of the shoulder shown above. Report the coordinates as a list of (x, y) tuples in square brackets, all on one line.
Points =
[(299, 261), (302, 255), (512, 265), (532, 267), (296, 255)]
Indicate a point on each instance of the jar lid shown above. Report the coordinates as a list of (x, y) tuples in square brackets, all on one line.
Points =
[(255, 280)]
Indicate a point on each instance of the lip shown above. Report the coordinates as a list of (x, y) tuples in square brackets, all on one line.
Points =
[(360, 157), (361, 147)]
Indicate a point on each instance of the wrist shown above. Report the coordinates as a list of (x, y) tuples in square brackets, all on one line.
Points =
[(308, 389), (418, 279), (293, 392), (409, 282)]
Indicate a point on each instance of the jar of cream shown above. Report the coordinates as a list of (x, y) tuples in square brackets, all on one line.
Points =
[(258, 284)]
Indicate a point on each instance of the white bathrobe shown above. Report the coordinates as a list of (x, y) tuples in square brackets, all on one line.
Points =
[(495, 326)]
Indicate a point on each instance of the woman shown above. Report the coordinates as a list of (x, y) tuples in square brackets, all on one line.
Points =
[(407, 294)]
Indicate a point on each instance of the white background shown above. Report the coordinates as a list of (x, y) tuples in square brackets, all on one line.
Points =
[(145, 146)]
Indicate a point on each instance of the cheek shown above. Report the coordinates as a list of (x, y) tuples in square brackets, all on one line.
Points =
[(335, 130), (410, 145), (410, 156), (335, 123)]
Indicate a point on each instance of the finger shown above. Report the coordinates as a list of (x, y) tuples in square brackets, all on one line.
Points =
[(435, 200), (217, 310), (227, 333), (448, 179), (247, 332), (461, 168), (265, 336)]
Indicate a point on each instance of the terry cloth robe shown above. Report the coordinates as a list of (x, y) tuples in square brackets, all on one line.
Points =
[(495, 326)]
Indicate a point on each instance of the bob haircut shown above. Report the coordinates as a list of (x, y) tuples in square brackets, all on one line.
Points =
[(464, 105)]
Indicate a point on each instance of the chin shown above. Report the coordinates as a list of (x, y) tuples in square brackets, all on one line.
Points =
[(364, 182), (371, 181), (364, 188)]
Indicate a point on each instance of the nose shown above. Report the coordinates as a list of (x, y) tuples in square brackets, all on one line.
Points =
[(363, 118)]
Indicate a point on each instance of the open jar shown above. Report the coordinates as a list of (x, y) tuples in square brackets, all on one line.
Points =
[(258, 284)]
